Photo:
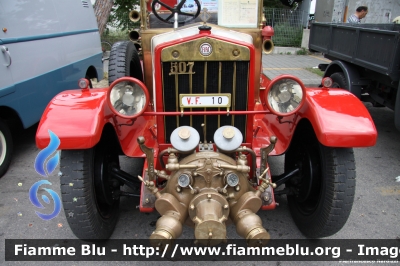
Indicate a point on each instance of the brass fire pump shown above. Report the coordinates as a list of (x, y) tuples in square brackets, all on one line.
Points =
[(207, 188)]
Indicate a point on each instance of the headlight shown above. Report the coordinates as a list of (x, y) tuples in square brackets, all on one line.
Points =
[(285, 95), (128, 97)]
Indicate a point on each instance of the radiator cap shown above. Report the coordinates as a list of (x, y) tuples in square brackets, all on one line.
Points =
[(185, 138), (228, 138)]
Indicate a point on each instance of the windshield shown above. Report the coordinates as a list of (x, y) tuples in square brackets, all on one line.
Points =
[(227, 13)]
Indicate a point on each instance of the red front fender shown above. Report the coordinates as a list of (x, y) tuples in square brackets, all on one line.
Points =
[(77, 117), (339, 118)]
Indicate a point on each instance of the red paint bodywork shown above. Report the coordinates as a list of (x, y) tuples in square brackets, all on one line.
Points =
[(267, 33), (78, 118)]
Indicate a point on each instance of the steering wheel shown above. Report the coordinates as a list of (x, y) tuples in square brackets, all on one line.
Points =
[(175, 9)]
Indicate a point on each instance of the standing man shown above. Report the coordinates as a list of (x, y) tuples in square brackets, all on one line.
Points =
[(361, 12)]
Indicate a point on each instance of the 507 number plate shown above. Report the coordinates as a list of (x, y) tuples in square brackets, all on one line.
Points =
[(205, 100)]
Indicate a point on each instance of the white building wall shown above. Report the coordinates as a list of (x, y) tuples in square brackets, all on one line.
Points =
[(324, 10), (338, 10), (379, 11)]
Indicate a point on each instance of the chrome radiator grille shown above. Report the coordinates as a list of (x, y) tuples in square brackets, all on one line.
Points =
[(210, 77)]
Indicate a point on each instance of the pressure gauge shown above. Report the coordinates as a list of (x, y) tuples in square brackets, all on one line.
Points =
[(232, 179), (184, 180)]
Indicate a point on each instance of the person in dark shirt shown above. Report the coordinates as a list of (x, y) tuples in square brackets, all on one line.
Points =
[(361, 12)]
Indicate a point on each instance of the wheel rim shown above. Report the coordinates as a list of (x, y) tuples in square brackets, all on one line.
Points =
[(3, 148), (103, 190), (309, 187)]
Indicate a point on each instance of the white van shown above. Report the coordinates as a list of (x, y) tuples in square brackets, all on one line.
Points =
[(46, 47)]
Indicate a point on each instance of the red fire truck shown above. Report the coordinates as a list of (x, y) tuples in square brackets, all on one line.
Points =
[(189, 97)]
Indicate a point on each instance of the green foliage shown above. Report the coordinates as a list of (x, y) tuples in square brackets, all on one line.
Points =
[(315, 71), (302, 51), (112, 37), (273, 4), (119, 16), (281, 3), (287, 35)]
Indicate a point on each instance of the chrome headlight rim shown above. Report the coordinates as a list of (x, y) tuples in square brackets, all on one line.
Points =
[(273, 83), (132, 80)]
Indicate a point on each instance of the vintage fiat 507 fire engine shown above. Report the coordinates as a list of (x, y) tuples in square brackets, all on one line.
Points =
[(188, 95)]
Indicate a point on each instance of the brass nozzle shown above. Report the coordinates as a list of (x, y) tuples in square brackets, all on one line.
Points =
[(167, 227), (267, 46), (249, 226), (134, 15), (134, 35)]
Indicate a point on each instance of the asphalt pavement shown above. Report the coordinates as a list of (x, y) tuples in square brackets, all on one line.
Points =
[(297, 65)]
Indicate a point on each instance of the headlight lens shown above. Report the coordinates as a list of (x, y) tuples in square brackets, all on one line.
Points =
[(128, 97), (285, 95)]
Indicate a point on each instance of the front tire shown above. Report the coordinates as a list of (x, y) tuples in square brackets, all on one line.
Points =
[(6, 147), (87, 191), (339, 81), (325, 187), (124, 62)]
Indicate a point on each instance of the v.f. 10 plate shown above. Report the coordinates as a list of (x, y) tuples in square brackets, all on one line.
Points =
[(205, 100)]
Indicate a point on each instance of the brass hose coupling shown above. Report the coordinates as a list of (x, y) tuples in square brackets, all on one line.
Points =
[(248, 223), (174, 214)]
